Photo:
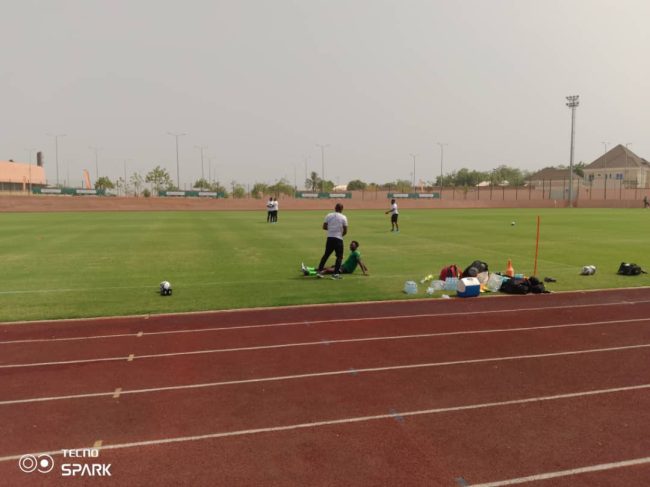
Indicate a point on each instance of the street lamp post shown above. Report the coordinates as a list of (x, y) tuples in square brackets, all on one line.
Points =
[(178, 171), (322, 160), (442, 158), (56, 145), (572, 102)]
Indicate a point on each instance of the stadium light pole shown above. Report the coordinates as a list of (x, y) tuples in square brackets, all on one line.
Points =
[(442, 158), (572, 102), (413, 156), (322, 161), (56, 145), (201, 147), (178, 171), (96, 149)]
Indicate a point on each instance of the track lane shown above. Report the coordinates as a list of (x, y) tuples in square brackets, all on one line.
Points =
[(246, 406), (567, 302), (61, 380), (100, 348), (478, 446)]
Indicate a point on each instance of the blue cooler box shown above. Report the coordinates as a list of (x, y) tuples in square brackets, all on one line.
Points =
[(468, 287)]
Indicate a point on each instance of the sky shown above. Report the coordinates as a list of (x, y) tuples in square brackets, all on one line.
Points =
[(261, 83)]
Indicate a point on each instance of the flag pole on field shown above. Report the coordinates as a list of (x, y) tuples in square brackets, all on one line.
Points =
[(536, 247)]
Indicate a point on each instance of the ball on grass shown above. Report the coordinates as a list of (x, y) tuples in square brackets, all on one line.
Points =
[(513, 223)]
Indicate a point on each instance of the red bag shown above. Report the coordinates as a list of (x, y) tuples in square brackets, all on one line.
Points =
[(450, 271)]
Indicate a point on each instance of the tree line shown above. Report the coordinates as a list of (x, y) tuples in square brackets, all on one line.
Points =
[(158, 179)]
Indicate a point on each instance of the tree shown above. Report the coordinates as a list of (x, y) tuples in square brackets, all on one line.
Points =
[(259, 190), (401, 186), (281, 187), (356, 184), (159, 178), (120, 184), (238, 190), (136, 182), (104, 183), (313, 182), (201, 184)]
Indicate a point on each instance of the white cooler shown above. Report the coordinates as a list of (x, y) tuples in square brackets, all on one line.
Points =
[(468, 287)]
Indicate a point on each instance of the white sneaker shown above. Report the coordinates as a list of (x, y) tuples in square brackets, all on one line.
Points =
[(336, 277)]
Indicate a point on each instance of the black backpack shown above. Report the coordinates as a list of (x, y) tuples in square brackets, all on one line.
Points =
[(480, 266), (626, 269), (521, 285)]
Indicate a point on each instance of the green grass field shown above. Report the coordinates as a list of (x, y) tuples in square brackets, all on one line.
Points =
[(61, 265)]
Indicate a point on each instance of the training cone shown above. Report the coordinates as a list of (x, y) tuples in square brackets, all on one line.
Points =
[(510, 272)]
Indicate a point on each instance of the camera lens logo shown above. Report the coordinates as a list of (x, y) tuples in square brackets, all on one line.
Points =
[(31, 463)]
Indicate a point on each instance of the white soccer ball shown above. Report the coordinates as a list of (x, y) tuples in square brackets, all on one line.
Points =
[(165, 285), (512, 223)]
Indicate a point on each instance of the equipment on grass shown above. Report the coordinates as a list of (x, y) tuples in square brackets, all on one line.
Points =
[(165, 288), (468, 287), (626, 269), (588, 270)]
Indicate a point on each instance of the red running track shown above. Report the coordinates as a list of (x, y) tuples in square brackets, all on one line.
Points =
[(541, 390)]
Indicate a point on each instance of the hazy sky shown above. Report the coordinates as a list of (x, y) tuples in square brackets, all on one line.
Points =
[(261, 82)]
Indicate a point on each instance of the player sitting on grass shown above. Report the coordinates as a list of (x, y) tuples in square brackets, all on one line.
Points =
[(348, 267)]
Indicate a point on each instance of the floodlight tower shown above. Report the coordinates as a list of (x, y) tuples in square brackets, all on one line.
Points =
[(442, 155), (572, 102), (413, 156), (200, 148), (56, 145), (178, 171), (322, 161), (96, 149)]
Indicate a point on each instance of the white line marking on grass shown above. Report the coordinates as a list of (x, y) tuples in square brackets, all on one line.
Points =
[(323, 322), (359, 419), (565, 473), (352, 371), (132, 357)]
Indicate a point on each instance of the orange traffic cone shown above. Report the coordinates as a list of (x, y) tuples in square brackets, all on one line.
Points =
[(510, 272)]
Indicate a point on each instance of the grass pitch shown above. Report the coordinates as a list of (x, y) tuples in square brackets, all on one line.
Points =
[(63, 265)]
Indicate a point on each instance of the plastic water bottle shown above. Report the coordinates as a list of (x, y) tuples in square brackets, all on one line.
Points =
[(451, 284), (410, 287)]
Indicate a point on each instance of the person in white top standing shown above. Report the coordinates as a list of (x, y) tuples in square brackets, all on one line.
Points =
[(336, 225), (274, 211), (394, 215)]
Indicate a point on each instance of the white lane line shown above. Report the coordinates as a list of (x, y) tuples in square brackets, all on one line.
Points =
[(324, 322), (119, 391), (565, 473), (358, 419), (308, 344)]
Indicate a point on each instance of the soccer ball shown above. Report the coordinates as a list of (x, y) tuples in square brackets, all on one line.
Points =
[(165, 288), (512, 223)]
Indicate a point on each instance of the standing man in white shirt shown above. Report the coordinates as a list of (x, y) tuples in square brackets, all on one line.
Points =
[(274, 211), (336, 226), (394, 215)]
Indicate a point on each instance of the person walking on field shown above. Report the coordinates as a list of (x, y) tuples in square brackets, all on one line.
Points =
[(336, 226), (394, 215), (645, 202)]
